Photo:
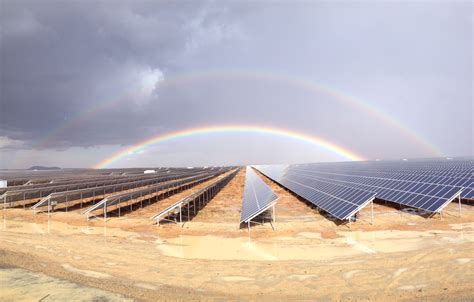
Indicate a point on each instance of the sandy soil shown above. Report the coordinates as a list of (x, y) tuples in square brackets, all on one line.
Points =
[(401, 256), (22, 285)]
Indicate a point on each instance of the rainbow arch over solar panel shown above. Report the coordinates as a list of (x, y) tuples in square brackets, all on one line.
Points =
[(228, 129)]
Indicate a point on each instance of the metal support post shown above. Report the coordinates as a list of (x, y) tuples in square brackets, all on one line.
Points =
[(460, 207), (105, 211), (372, 212), (274, 214)]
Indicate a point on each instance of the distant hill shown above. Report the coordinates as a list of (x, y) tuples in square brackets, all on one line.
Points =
[(43, 168)]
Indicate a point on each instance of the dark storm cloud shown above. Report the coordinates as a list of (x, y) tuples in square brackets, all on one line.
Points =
[(85, 74), (63, 58)]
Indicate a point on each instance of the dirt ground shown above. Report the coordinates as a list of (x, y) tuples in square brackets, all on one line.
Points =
[(400, 255)]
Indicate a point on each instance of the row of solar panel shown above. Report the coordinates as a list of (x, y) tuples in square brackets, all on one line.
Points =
[(96, 192), (449, 168), (403, 173), (338, 200), (466, 183), (258, 197), (337, 187), (423, 187), (459, 183), (460, 175), (31, 193), (149, 191), (202, 196), (433, 164), (429, 197)]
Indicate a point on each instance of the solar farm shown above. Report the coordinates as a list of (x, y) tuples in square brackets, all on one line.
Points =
[(310, 218)]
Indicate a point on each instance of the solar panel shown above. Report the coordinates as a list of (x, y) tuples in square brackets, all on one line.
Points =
[(65, 197), (338, 200), (425, 196), (146, 193), (424, 184), (15, 196), (202, 196), (258, 197), (453, 172)]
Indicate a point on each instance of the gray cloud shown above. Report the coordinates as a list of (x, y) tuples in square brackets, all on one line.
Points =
[(81, 77)]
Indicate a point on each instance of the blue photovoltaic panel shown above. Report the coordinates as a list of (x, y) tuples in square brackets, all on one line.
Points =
[(258, 197), (338, 200), (424, 184), (429, 197)]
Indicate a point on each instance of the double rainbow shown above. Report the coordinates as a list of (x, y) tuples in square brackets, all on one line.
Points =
[(226, 129), (180, 81)]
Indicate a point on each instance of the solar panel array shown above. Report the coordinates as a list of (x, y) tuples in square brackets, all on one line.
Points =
[(37, 192), (202, 197), (428, 185), (339, 200), (258, 197), (30, 177), (64, 197), (58, 182), (122, 199)]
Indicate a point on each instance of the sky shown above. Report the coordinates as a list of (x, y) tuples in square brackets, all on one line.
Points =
[(83, 80)]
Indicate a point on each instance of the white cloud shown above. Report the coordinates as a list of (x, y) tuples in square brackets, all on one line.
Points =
[(148, 80), (8, 143)]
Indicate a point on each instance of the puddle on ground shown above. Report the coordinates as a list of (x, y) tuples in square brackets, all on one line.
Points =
[(403, 241), (241, 248), (281, 248), (56, 227), (22, 285)]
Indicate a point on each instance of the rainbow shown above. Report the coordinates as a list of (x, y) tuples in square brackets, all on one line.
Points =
[(318, 141), (315, 88), (180, 81)]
